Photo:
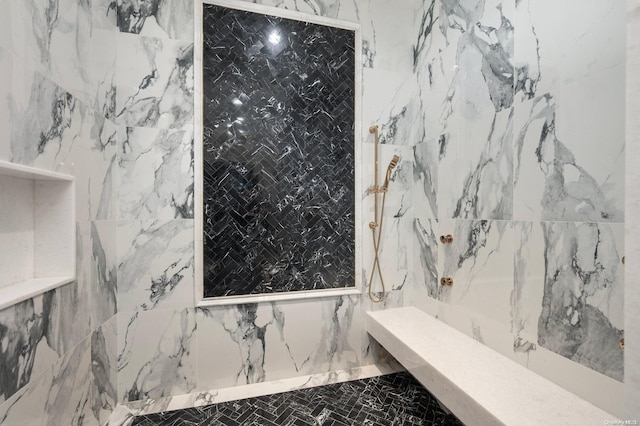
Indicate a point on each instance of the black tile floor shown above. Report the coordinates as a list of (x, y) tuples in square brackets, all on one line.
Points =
[(395, 399)]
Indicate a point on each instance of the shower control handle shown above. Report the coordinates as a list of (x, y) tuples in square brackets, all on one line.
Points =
[(446, 239), (446, 281)]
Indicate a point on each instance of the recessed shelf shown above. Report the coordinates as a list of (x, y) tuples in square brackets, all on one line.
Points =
[(37, 232)]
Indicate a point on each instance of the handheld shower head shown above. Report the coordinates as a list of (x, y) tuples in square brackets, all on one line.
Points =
[(392, 165), (394, 162)]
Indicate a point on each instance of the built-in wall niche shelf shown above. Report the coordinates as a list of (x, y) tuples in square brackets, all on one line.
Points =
[(37, 232)]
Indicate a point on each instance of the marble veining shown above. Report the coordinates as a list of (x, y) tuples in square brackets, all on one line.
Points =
[(568, 294), (582, 297), (480, 261), (103, 268), (278, 154), (155, 174), (77, 388), (155, 354), (155, 264), (156, 90), (475, 182), (266, 344), (520, 156), (46, 118), (37, 332), (570, 190), (427, 249), (103, 369), (172, 19)]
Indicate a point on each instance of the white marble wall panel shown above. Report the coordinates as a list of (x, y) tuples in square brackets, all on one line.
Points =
[(425, 179), (5, 24), (100, 89), (436, 71), (385, 31), (155, 89), (372, 352), (6, 80), (69, 392), (23, 328), (390, 102), (103, 14), (45, 120), (156, 18), (480, 262), (568, 50), (103, 396), (69, 307), (569, 293), (247, 344), (523, 114), (426, 276), (57, 40), (602, 390), (38, 331), (155, 174), (156, 354), (570, 151), (155, 264), (569, 132), (52, 117), (97, 267), (92, 162), (53, 130), (632, 205), (528, 290), (464, 55)]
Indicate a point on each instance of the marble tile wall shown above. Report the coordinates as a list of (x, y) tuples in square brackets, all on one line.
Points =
[(521, 159), (199, 349), (57, 62), (632, 203), (504, 142)]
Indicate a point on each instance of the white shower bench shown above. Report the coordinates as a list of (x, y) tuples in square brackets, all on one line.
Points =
[(479, 385)]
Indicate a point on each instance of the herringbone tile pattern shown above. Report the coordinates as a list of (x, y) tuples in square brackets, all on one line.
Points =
[(395, 399), (278, 154)]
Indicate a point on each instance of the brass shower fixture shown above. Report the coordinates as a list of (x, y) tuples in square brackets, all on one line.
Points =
[(446, 239), (376, 224)]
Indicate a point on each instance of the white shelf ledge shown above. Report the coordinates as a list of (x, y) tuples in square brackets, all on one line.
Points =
[(480, 386), (24, 290), (25, 172)]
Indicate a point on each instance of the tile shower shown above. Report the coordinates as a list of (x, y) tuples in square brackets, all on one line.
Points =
[(508, 145)]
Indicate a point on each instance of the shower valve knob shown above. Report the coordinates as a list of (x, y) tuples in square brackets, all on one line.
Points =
[(446, 281), (446, 239)]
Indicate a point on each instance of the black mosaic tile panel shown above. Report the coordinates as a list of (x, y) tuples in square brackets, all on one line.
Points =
[(395, 399), (278, 154)]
